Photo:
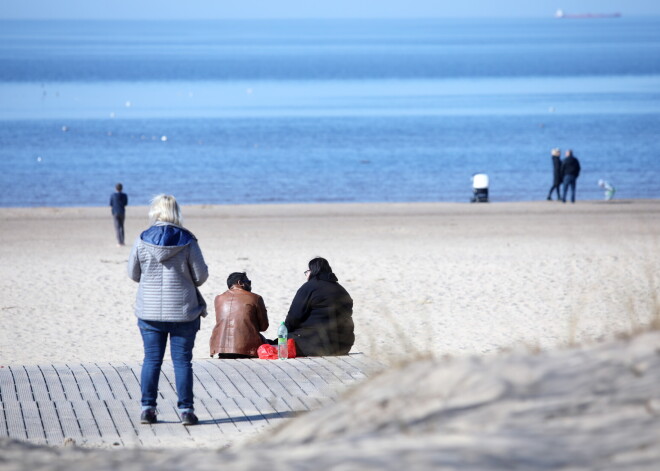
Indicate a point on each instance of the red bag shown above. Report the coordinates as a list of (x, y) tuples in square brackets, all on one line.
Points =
[(291, 346), (269, 352)]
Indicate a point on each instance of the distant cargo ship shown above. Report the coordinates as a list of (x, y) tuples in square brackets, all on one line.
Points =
[(561, 14)]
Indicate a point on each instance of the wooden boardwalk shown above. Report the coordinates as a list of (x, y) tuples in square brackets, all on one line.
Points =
[(98, 404)]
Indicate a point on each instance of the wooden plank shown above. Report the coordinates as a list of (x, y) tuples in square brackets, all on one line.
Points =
[(145, 432), (124, 426), (130, 377), (216, 370), (334, 371), (99, 410), (22, 383), (14, 420), (33, 424), (51, 423), (88, 426), (220, 417), (85, 385), (208, 382), (235, 413), (295, 383), (250, 410), (235, 378), (231, 397), (68, 420), (294, 371), (257, 384), (37, 383), (292, 402), (4, 430), (53, 383), (276, 388), (273, 410), (99, 380), (68, 381), (202, 382), (7, 386), (115, 381), (357, 367)]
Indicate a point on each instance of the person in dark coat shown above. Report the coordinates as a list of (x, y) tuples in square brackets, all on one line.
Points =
[(118, 202), (320, 317), (570, 169), (556, 174)]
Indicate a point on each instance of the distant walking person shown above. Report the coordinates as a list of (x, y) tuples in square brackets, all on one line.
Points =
[(118, 202), (167, 262), (570, 169), (556, 174)]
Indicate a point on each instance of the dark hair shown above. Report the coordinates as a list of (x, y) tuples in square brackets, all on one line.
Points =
[(119, 187), (317, 266), (236, 278)]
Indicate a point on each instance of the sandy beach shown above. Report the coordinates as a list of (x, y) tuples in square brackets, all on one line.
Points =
[(449, 279), (512, 329)]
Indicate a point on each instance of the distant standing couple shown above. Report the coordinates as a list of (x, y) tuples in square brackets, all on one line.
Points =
[(565, 175)]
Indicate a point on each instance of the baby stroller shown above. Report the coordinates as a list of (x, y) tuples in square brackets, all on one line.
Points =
[(479, 188)]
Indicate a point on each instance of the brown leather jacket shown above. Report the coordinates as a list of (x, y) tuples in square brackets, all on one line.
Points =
[(239, 317)]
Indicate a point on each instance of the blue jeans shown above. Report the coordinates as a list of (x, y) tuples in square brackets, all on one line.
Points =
[(182, 340), (569, 182)]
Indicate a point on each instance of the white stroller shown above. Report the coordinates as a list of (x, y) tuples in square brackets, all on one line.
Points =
[(479, 188)]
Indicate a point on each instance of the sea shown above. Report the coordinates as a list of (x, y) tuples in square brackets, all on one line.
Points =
[(308, 111)]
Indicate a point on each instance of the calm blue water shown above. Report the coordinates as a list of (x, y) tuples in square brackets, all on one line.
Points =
[(308, 111)]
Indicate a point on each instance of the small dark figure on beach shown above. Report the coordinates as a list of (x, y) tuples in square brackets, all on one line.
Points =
[(239, 317), (570, 169), (167, 262), (320, 317), (556, 174), (118, 202)]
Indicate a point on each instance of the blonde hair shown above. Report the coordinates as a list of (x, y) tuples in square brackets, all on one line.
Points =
[(164, 208)]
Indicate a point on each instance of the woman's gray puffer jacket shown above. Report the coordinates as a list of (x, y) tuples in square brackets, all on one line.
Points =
[(168, 263)]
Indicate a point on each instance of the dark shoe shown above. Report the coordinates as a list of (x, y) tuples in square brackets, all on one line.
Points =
[(549, 198), (148, 416), (189, 418)]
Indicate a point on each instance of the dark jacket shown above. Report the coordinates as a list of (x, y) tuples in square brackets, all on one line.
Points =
[(118, 201), (556, 170), (570, 166), (239, 317), (320, 318)]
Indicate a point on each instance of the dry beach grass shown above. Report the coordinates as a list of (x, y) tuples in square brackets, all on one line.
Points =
[(474, 306)]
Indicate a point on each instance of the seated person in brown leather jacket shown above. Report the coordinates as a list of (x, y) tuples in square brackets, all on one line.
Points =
[(239, 315)]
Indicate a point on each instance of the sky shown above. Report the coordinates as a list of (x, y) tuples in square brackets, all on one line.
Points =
[(231, 9)]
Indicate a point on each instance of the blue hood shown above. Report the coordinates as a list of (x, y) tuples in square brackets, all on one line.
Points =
[(167, 235)]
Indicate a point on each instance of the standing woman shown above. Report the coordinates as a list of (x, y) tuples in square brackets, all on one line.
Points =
[(168, 263), (320, 317)]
